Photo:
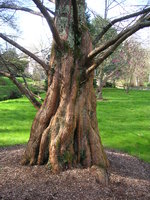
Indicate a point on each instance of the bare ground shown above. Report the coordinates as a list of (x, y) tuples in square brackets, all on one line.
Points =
[(129, 180)]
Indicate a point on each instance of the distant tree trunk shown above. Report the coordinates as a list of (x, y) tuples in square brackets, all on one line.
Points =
[(100, 86), (65, 131), (100, 94)]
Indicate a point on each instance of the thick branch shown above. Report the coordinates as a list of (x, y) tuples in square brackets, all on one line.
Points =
[(107, 27), (15, 7), (50, 22), (52, 1), (22, 89), (26, 85), (42, 63), (26, 92), (6, 74), (106, 45), (111, 49), (53, 13), (19, 8)]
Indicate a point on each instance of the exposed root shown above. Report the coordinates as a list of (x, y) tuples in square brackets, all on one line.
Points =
[(101, 175)]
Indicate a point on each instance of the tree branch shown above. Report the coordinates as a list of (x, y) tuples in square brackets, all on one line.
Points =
[(42, 63), (53, 13), (52, 1), (106, 45), (15, 7), (124, 36), (50, 22), (6, 74), (107, 27), (22, 89)]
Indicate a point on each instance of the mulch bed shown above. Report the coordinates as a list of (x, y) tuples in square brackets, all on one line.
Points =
[(129, 180)]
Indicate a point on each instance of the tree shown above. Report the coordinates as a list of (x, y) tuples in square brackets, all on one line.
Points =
[(11, 59), (133, 62), (65, 131)]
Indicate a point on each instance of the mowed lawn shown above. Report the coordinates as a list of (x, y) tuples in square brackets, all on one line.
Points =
[(16, 117), (124, 121)]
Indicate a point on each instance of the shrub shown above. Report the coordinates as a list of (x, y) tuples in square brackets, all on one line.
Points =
[(110, 85), (14, 94), (95, 83), (148, 84)]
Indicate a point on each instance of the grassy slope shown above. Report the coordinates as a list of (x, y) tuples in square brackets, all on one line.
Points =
[(124, 121), (6, 87)]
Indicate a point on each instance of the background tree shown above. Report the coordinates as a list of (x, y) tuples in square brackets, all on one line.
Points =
[(65, 132), (133, 62), (12, 61)]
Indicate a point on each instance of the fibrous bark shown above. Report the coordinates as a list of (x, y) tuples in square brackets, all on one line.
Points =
[(65, 132)]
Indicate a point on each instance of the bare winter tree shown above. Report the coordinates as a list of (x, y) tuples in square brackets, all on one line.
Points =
[(133, 59), (65, 131)]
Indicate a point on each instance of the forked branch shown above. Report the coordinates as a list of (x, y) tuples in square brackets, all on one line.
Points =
[(27, 52), (108, 26), (123, 36), (50, 22)]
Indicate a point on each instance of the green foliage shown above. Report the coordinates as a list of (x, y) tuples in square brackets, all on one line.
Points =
[(14, 95), (148, 84), (94, 83), (10, 59), (8, 89), (110, 85), (96, 26)]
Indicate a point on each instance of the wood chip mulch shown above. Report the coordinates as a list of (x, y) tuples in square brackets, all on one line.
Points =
[(129, 180)]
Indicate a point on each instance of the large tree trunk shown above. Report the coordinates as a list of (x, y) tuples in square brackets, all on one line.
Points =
[(65, 131)]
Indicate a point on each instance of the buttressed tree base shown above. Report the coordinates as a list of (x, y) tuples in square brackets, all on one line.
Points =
[(65, 132)]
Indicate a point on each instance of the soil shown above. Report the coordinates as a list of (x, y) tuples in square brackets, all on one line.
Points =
[(129, 180)]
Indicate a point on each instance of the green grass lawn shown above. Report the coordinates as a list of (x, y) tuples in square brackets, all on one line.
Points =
[(124, 121), (15, 121)]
